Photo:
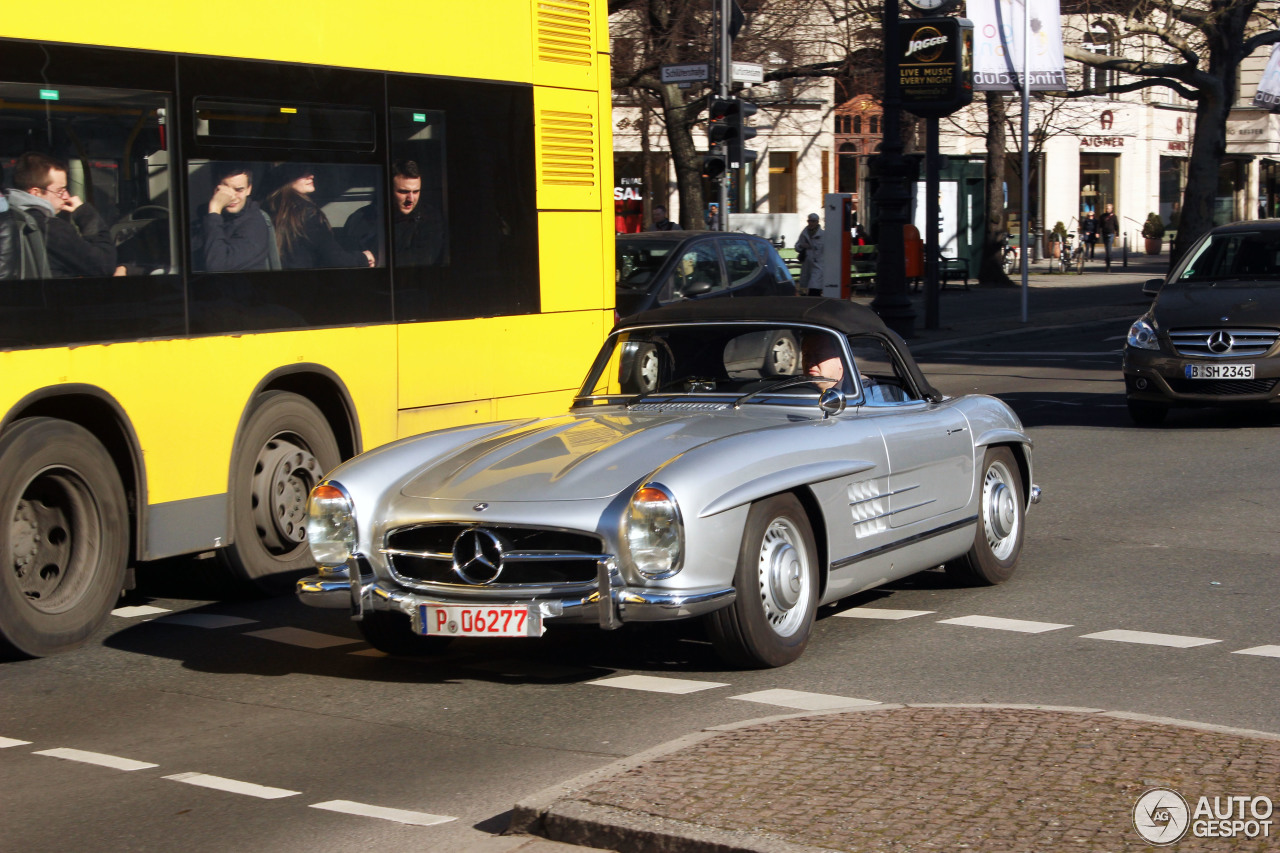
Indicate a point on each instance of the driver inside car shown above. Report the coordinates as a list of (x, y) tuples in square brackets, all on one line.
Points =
[(821, 357)]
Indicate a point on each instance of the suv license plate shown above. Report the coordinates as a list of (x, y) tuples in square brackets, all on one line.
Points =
[(454, 620), (1219, 371)]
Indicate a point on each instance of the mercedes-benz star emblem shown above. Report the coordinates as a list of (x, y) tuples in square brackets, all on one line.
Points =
[(477, 556), (1220, 342)]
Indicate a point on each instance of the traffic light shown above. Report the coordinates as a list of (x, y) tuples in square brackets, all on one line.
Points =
[(726, 126), (712, 167)]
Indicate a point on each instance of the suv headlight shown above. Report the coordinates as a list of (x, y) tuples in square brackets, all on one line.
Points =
[(1142, 335), (331, 524), (653, 533)]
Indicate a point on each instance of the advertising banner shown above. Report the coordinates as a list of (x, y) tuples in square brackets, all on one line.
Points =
[(1268, 95), (935, 66), (998, 49)]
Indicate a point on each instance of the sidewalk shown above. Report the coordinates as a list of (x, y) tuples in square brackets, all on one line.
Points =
[(911, 778), (925, 777), (1053, 299)]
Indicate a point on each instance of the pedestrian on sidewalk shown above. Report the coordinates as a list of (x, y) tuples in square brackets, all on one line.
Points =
[(809, 251), (1088, 232), (1109, 227)]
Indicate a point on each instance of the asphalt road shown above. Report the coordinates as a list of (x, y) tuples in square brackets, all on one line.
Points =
[(1147, 585)]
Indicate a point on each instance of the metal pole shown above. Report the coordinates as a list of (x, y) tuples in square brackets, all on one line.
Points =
[(932, 223), (724, 76), (1026, 152)]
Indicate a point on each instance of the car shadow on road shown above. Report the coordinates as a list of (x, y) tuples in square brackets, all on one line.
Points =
[(1109, 410)]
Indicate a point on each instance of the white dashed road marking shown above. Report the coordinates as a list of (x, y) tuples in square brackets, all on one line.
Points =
[(397, 815), (882, 613), (113, 761), (1264, 651), (1148, 639), (302, 637), (138, 610), (1020, 625), (233, 786), (803, 701), (205, 620), (655, 684), (6, 742)]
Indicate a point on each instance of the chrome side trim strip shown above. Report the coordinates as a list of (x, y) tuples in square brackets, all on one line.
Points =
[(902, 543)]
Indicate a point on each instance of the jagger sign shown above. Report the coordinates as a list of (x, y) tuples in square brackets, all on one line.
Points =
[(935, 73)]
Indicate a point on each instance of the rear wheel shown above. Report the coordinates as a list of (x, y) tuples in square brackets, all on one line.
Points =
[(64, 536), (1147, 414), (285, 449), (771, 618), (998, 541), (391, 632)]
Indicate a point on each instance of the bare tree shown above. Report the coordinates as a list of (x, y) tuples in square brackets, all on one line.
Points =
[(1195, 49)]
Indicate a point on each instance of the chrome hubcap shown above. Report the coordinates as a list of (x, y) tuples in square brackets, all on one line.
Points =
[(1001, 515), (784, 577)]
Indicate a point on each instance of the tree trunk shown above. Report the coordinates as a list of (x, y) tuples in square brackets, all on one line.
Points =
[(686, 159), (990, 268)]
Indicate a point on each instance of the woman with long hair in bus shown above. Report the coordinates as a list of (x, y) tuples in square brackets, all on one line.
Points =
[(303, 232)]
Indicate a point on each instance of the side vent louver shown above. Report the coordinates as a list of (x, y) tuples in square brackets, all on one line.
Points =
[(564, 32), (568, 148)]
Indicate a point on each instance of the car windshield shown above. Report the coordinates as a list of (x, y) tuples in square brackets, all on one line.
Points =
[(729, 360), (1234, 256), (638, 261)]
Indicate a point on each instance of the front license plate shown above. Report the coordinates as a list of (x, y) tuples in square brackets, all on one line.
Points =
[(1219, 371), (456, 620)]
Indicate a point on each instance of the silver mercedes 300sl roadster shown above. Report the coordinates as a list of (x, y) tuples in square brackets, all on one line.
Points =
[(743, 461)]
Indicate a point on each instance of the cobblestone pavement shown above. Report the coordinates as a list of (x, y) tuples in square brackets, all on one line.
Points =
[(914, 778)]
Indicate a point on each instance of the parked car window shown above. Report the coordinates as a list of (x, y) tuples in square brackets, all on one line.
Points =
[(1249, 254), (770, 258), (740, 261), (638, 261), (698, 272), (884, 378)]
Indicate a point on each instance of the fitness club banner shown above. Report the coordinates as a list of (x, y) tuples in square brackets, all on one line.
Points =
[(998, 49)]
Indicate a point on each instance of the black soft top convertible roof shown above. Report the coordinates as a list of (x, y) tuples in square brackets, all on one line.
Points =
[(847, 318)]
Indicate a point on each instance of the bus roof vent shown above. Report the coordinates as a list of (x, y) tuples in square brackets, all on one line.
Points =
[(564, 32), (568, 148)]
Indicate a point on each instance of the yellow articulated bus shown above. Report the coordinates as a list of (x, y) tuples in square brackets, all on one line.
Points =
[(240, 245)]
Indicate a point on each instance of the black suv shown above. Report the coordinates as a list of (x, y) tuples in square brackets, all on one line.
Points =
[(661, 267), (1211, 336)]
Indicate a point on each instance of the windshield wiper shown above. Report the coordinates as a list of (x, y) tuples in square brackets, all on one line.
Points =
[(780, 384)]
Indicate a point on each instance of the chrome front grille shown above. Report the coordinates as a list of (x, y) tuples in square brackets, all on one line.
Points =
[(530, 557), (1223, 343)]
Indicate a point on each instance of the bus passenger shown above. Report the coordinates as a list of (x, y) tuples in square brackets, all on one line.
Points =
[(303, 232), (237, 232), (84, 248), (416, 228)]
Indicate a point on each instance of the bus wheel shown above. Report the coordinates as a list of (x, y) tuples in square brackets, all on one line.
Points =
[(285, 449), (64, 536)]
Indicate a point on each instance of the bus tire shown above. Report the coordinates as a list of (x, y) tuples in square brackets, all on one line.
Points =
[(284, 451), (64, 531)]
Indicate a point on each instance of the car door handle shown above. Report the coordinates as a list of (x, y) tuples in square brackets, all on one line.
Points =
[(954, 431)]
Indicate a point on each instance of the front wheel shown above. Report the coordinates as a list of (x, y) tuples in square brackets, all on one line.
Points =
[(64, 536), (1001, 515), (285, 449), (771, 618)]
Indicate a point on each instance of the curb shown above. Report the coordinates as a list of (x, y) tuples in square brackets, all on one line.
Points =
[(554, 813)]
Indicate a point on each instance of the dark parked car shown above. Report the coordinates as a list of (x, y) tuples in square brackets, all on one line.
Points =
[(659, 268), (1210, 337)]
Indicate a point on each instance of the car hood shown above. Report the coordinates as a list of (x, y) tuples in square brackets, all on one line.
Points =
[(573, 457), (1204, 305)]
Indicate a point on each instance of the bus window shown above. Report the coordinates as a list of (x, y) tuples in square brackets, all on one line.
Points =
[(284, 215), (419, 213), (108, 149)]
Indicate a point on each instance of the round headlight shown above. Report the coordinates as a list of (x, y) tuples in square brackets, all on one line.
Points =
[(1142, 335), (654, 534), (331, 525)]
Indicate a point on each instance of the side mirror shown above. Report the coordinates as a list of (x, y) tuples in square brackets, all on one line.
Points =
[(697, 288), (832, 402), (1152, 286)]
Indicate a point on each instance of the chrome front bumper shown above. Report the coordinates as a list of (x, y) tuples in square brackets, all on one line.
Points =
[(619, 603)]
